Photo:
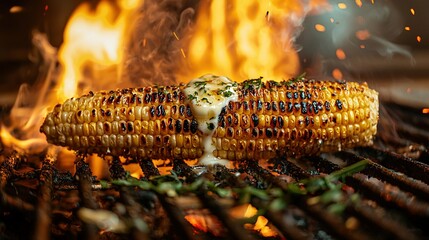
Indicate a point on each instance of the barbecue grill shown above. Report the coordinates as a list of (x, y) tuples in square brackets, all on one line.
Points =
[(385, 200), (377, 192)]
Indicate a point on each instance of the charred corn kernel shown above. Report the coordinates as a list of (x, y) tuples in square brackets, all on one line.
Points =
[(295, 118)]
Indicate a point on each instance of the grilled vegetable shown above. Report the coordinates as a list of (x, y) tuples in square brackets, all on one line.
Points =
[(296, 117)]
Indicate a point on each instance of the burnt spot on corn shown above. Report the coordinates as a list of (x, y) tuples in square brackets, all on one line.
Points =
[(282, 106), (317, 106), (229, 120), (123, 127), (118, 100), (307, 120), (289, 107), (255, 120), (304, 108), (273, 121), (186, 125), (295, 95), (327, 106), (246, 105), (178, 126), (269, 132), (339, 104), (289, 95), (302, 95), (194, 126), (188, 111), (230, 132), (255, 132), (182, 109), (152, 111), (130, 127), (274, 106), (163, 125), (106, 127), (297, 106), (280, 121), (110, 99), (169, 98), (160, 111), (170, 124), (235, 119), (260, 105), (133, 99), (161, 97), (267, 106)]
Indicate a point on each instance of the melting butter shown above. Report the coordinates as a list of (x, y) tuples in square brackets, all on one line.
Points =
[(207, 96)]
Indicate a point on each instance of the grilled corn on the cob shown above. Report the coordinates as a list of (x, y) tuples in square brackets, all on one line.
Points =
[(296, 117)]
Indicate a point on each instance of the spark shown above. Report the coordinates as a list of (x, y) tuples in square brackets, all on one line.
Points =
[(407, 28), (320, 28), (267, 16), (332, 20), (342, 6), (175, 35), (183, 52), (363, 34), (362, 46), (419, 38), (425, 110), (340, 54), (337, 74), (413, 12), (16, 9), (359, 3)]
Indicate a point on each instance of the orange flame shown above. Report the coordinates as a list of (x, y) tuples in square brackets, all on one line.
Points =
[(94, 39), (246, 39), (239, 39)]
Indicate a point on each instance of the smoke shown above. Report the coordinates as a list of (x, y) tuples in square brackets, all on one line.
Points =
[(159, 33), (361, 31)]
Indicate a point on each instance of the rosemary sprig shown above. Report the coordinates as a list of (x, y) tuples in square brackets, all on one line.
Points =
[(326, 190)]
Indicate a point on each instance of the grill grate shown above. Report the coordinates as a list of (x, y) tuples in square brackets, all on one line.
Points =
[(393, 191)]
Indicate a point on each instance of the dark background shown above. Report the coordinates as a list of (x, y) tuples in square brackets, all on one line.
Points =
[(19, 62)]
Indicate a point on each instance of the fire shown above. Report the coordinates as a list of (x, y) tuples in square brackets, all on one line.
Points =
[(246, 39), (94, 40), (239, 39)]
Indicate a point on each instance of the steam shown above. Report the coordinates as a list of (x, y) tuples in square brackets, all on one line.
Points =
[(159, 33), (382, 22), (29, 108)]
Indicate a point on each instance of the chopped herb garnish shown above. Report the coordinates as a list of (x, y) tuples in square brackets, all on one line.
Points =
[(251, 84), (206, 100), (191, 97), (294, 80), (227, 93), (210, 126)]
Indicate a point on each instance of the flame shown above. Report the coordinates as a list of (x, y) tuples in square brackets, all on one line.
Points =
[(94, 39), (239, 39), (246, 39)]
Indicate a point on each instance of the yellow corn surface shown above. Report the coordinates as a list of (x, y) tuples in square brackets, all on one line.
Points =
[(293, 118)]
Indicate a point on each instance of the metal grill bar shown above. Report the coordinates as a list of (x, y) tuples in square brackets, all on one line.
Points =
[(376, 170), (333, 224), (288, 230), (412, 168), (84, 174), (44, 209)]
